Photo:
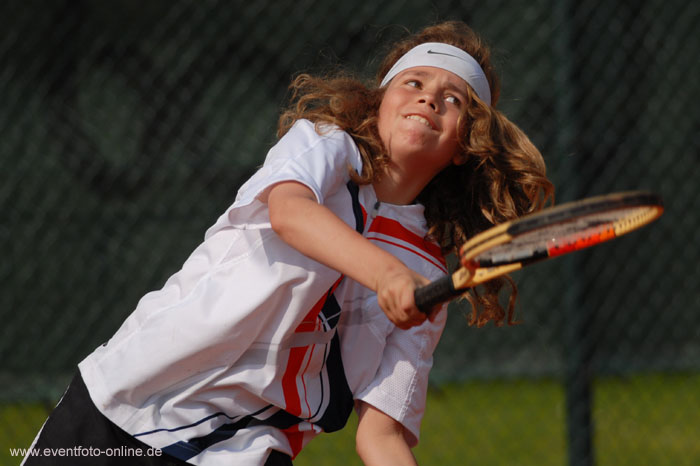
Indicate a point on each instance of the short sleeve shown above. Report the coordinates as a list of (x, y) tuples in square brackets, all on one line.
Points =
[(400, 385), (322, 162)]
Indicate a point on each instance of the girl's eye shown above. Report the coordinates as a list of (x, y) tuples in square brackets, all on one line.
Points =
[(452, 99), (413, 83)]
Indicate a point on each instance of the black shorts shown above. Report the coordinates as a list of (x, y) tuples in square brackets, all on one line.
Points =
[(77, 433)]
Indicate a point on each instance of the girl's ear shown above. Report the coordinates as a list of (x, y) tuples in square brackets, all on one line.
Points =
[(459, 159)]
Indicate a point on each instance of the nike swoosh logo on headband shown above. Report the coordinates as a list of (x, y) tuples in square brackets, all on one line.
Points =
[(441, 53)]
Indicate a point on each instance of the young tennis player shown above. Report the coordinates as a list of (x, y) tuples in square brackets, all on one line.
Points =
[(298, 305)]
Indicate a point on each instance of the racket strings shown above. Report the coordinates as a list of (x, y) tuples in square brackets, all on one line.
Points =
[(566, 236)]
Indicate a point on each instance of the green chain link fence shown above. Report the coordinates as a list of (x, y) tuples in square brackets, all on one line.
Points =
[(127, 126)]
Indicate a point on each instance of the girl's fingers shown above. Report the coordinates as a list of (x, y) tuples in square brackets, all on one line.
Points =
[(395, 296)]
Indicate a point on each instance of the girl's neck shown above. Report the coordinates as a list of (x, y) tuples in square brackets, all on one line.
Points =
[(394, 189)]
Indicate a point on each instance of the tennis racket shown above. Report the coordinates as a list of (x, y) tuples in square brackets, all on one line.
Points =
[(543, 235)]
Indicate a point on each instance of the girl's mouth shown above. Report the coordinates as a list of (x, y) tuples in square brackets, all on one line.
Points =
[(420, 119)]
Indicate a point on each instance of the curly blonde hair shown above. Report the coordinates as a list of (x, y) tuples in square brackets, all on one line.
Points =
[(504, 176)]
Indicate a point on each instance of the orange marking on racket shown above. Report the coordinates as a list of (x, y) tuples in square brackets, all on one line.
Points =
[(584, 239)]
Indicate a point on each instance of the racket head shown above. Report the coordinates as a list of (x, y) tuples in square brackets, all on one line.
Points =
[(556, 231)]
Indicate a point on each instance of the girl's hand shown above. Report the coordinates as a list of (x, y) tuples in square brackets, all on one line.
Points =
[(395, 296)]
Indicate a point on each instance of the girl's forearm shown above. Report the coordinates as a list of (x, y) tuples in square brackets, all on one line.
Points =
[(318, 233), (380, 440)]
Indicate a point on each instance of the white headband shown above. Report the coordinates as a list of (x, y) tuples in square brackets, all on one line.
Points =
[(448, 58)]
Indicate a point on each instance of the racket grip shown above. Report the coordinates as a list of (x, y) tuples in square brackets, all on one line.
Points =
[(433, 293)]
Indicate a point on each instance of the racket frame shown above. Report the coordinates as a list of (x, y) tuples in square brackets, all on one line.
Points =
[(473, 272)]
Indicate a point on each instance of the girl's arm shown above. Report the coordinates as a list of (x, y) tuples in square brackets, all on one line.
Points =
[(314, 230), (381, 440)]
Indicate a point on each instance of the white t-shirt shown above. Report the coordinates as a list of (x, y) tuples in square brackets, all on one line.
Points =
[(245, 349)]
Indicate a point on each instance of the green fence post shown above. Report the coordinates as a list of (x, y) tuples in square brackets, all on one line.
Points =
[(577, 344)]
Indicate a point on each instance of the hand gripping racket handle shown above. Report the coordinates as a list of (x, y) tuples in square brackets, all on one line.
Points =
[(436, 292)]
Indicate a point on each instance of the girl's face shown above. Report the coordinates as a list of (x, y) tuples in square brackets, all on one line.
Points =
[(418, 120)]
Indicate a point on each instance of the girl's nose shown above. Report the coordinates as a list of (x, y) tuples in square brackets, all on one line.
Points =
[(430, 100)]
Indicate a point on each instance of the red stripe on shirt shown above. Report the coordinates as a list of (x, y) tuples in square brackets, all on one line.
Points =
[(295, 439), (430, 259), (289, 381), (296, 357), (303, 382), (390, 227)]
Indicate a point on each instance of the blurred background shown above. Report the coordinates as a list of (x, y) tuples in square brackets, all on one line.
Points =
[(127, 126)]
